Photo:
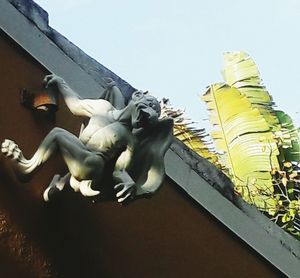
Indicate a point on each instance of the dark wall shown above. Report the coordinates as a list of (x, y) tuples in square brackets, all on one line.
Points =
[(166, 236)]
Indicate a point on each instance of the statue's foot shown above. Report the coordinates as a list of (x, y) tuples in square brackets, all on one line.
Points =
[(53, 189), (84, 187), (11, 150), (86, 190)]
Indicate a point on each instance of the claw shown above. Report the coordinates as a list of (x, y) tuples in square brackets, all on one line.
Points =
[(120, 200), (121, 192), (75, 184), (86, 190), (127, 189)]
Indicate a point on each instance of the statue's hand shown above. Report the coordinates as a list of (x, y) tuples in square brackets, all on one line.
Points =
[(52, 80), (125, 191)]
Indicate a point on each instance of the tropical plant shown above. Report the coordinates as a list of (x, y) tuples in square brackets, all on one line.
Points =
[(184, 129), (245, 143), (258, 145)]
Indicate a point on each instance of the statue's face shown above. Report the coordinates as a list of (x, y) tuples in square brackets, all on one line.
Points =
[(147, 109)]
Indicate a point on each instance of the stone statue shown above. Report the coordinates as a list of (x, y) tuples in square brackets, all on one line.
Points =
[(119, 148)]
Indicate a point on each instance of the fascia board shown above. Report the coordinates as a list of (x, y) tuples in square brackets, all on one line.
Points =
[(246, 228), (41, 48)]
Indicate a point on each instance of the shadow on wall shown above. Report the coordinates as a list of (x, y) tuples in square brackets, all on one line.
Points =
[(60, 237)]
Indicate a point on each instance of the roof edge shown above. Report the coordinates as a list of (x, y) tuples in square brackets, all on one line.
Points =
[(40, 18), (33, 12)]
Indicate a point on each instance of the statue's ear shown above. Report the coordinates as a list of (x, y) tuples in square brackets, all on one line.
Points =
[(147, 167)]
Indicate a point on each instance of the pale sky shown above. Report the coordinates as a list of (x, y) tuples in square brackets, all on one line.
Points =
[(175, 48)]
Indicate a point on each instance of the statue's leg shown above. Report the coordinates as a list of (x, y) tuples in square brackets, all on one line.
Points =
[(27, 166), (85, 166), (82, 163)]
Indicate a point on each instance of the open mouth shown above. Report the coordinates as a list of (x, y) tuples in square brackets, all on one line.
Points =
[(142, 116)]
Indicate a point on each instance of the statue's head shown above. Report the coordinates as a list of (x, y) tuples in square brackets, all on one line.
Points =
[(146, 109)]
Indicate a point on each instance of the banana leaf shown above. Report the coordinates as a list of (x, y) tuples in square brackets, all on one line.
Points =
[(256, 143), (246, 142), (241, 72)]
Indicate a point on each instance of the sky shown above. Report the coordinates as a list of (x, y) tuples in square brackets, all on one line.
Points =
[(175, 48)]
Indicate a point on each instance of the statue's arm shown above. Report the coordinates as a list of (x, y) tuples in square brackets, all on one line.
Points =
[(78, 106), (124, 184)]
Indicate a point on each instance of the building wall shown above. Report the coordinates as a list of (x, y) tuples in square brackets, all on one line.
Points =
[(166, 236)]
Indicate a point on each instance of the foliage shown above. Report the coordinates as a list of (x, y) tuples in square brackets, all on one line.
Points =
[(196, 139), (258, 145), (241, 72), (244, 140)]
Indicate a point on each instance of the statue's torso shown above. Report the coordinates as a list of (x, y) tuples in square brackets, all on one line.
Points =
[(105, 135)]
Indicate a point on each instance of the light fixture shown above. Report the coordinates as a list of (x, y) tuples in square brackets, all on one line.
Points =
[(41, 101)]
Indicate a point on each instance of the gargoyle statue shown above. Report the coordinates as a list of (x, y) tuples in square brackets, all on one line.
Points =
[(121, 148)]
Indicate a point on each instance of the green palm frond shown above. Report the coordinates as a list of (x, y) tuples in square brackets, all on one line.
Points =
[(184, 129)]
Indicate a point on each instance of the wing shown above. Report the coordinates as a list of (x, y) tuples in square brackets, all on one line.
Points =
[(113, 94), (147, 164)]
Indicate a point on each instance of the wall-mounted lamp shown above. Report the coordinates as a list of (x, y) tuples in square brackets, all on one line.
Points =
[(40, 101)]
